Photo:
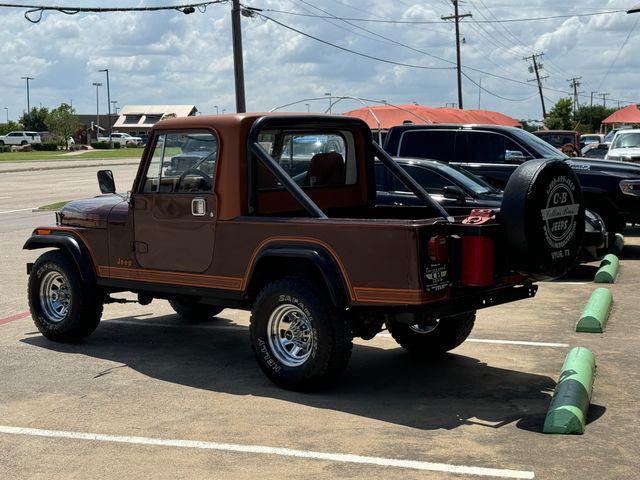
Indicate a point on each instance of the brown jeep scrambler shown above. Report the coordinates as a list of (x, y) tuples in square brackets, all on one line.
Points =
[(276, 214)]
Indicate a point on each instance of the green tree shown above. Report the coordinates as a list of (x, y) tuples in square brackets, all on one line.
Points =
[(589, 118), (34, 120), (559, 117), (62, 122), (10, 127)]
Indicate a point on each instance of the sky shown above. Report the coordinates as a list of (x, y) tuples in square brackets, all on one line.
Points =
[(173, 58)]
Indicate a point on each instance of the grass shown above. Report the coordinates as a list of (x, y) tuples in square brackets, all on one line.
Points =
[(60, 155), (53, 206)]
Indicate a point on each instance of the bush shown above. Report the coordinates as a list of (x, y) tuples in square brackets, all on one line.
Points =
[(5, 148), (45, 147), (103, 145)]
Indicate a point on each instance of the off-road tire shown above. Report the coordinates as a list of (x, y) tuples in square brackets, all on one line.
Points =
[(194, 310), (332, 337), (450, 333), (85, 307)]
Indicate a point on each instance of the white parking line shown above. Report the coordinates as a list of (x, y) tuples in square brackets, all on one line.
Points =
[(19, 210), (283, 452), (504, 342)]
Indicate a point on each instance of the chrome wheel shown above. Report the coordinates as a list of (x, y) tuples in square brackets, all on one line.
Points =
[(55, 296), (291, 336), (425, 327)]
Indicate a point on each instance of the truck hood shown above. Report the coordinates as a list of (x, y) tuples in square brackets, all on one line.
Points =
[(89, 212), (605, 166)]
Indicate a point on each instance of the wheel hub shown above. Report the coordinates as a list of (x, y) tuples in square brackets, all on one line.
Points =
[(291, 335), (55, 296)]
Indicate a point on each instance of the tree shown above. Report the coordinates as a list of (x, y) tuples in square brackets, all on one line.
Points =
[(10, 127), (34, 120), (559, 117), (589, 118), (62, 122)]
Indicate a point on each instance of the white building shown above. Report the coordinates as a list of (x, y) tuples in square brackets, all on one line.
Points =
[(138, 119)]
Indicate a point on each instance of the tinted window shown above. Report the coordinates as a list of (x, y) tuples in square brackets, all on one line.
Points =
[(431, 181), (486, 147), (627, 140), (432, 144), (543, 149)]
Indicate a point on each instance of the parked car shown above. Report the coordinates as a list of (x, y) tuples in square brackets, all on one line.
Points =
[(493, 152), (608, 138), (595, 150), (561, 138), (317, 264), (625, 146), (20, 138), (592, 138), (460, 192), (122, 139)]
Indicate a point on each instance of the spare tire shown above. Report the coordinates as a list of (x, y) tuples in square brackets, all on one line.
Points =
[(543, 215)]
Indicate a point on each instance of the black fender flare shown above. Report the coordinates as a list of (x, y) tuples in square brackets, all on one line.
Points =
[(318, 256), (71, 246)]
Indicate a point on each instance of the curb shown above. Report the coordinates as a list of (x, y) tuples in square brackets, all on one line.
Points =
[(596, 312), (568, 409), (62, 167), (618, 245), (608, 270)]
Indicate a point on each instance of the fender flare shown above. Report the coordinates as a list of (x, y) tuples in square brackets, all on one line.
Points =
[(68, 244), (318, 256)]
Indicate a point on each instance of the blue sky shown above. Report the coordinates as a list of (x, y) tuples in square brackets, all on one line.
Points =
[(175, 58)]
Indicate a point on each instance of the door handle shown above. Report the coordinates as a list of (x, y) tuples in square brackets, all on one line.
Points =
[(198, 207)]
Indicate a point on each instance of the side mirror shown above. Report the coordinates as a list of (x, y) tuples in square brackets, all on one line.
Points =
[(455, 193), (515, 156), (106, 182)]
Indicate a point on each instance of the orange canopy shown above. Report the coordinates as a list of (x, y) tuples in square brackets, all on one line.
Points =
[(389, 116), (630, 114)]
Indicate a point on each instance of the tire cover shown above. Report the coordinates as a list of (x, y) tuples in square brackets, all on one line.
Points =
[(543, 215)]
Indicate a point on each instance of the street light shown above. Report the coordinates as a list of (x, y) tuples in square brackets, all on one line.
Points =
[(224, 110), (106, 70), (635, 9), (28, 100), (7, 110), (97, 85), (330, 101), (217, 110)]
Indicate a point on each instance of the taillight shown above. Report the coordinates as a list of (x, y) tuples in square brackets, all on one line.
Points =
[(438, 249)]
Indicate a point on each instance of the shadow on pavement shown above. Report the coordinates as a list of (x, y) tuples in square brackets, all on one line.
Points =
[(386, 385), (630, 252), (580, 273)]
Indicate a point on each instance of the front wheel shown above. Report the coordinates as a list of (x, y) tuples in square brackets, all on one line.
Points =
[(63, 308), (433, 337), (300, 340)]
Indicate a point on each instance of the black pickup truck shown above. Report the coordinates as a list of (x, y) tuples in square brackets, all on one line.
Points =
[(611, 189)]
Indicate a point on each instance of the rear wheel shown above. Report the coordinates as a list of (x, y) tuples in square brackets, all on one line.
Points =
[(300, 340), (194, 310), (63, 308), (23, 142), (433, 337)]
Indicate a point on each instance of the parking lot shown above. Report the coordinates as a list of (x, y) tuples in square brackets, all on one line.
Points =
[(150, 396)]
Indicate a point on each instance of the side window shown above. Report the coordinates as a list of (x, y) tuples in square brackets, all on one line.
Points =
[(183, 163), (431, 144), (431, 181), (485, 147)]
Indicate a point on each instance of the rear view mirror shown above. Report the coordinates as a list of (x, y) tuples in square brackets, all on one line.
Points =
[(106, 181), (514, 156), (456, 193)]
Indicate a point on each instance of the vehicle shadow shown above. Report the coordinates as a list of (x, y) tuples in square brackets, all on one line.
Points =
[(580, 273), (382, 384), (630, 252)]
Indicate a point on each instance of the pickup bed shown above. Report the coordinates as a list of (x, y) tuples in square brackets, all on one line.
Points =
[(221, 214)]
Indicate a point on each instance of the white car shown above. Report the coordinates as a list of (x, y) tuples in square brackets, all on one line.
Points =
[(20, 138), (121, 139), (625, 146)]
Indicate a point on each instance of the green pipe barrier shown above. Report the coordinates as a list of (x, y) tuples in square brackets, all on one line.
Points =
[(618, 245), (596, 312), (608, 270), (568, 409)]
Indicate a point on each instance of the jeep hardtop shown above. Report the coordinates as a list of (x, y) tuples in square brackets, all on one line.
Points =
[(276, 213)]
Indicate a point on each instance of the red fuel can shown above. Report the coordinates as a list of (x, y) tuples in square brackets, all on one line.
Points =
[(478, 261)]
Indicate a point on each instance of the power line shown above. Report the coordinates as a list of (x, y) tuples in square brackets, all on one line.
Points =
[(624, 44)]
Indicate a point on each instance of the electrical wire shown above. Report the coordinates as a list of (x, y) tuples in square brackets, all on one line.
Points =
[(624, 44)]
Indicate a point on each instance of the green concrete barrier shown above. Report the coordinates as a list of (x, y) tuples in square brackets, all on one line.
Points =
[(596, 312), (608, 270), (618, 245), (568, 409)]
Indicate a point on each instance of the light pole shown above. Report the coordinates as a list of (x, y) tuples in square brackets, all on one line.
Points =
[(308, 107), (115, 106), (106, 70), (7, 110), (224, 110), (330, 101), (97, 85), (217, 109), (28, 99)]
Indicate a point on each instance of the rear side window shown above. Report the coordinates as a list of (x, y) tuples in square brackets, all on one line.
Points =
[(486, 147), (431, 144)]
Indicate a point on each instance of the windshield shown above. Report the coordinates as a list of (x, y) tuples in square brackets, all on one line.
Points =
[(543, 149), (627, 140), (468, 179)]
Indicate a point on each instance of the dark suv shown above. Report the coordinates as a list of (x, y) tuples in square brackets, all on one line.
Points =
[(492, 152)]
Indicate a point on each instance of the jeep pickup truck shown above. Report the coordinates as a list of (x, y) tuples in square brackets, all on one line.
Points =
[(311, 256)]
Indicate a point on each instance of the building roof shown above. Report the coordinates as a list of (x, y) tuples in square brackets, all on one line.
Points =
[(387, 116), (145, 116), (630, 114)]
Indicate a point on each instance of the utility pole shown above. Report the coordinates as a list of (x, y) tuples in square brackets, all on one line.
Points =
[(536, 69), (456, 17), (97, 85), (106, 70), (592, 94), (575, 83), (7, 110), (28, 99), (604, 99), (238, 65)]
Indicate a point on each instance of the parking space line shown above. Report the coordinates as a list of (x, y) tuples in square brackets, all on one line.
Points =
[(18, 210), (504, 342), (12, 318), (278, 451)]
